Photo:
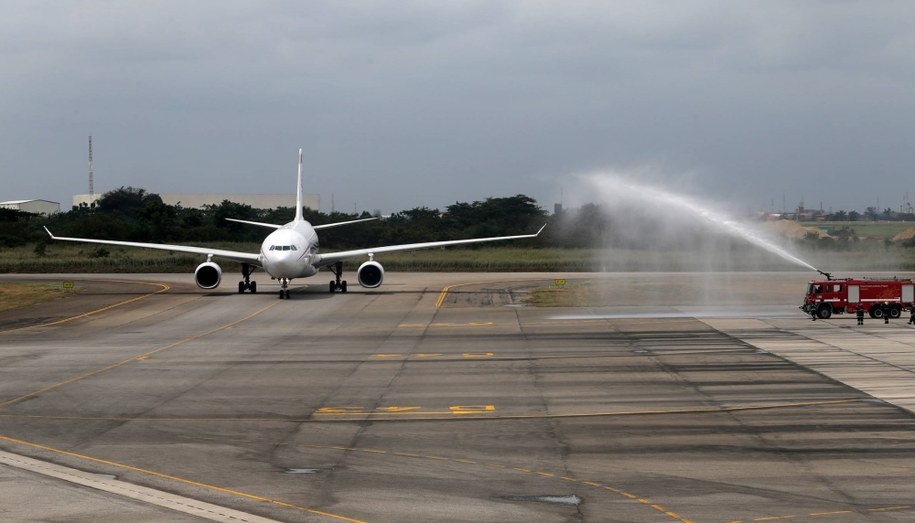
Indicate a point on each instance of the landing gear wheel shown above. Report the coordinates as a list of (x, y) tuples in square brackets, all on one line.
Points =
[(284, 288), (337, 284), (246, 284)]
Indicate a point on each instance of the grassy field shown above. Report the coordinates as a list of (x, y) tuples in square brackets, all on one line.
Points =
[(14, 294), (878, 230)]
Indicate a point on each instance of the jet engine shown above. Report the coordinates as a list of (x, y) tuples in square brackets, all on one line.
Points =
[(208, 275), (370, 274)]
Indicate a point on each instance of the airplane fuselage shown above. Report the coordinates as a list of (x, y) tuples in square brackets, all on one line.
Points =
[(289, 251)]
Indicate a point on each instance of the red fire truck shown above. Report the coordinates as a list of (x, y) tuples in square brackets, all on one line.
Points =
[(876, 297)]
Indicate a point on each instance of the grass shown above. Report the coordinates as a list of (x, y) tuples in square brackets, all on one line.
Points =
[(14, 294), (869, 229)]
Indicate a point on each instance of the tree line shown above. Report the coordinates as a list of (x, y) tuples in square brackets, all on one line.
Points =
[(133, 214)]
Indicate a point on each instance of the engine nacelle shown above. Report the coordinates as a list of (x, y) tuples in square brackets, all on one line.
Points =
[(370, 274), (208, 275)]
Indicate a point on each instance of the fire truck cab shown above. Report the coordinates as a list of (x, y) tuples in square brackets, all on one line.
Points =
[(875, 297)]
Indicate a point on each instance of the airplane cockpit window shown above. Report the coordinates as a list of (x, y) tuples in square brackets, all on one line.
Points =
[(283, 248)]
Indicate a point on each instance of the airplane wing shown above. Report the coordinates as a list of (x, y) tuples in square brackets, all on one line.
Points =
[(241, 257), (260, 224), (322, 260), (329, 225), (315, 227)]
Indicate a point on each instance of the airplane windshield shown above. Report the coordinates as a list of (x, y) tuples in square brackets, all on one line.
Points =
[(283, 248)]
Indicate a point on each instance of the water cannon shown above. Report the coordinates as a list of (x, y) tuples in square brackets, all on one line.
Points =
[(827, 274)]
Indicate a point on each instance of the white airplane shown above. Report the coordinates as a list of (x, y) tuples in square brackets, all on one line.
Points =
[(291, 251)]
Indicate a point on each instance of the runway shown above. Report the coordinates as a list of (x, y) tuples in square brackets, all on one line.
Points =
[(447, 397)]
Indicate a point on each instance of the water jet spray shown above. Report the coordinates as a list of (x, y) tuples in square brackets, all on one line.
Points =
[(614, 186)]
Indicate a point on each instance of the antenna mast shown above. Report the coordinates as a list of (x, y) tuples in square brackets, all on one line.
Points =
[(91, 184)]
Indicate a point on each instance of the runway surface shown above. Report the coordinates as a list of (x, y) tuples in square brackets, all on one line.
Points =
[(445, 397)]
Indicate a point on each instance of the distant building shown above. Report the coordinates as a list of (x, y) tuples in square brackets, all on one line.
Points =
[(32, 206), (199, 201)]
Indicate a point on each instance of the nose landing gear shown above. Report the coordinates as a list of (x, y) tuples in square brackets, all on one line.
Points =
[(284, 288)]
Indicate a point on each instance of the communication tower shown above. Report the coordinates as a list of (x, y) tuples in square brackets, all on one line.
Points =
[(91, 184)]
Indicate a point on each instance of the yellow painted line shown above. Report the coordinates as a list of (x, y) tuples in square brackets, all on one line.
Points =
[(179, 479), (387, 355), (477, 354), (566, 478), (521, 469), (833, 513), (888, 509), (399, 409), (132, 358), (444, 293), (546, 474), (776, 518), (445, 324), (163, 287), (465, 461), (429, 355)]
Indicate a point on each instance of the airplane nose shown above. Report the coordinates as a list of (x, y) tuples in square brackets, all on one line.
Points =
[(280, 267)]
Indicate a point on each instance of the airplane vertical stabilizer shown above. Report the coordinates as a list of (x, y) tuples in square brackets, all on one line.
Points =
[(298, 193)]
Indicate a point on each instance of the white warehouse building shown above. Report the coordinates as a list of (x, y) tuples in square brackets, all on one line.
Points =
[(45, 207)]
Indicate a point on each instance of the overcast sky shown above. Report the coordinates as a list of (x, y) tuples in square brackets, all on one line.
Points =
[(402, 104)]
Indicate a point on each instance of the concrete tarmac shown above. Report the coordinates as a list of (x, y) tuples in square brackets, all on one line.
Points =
[(446, 397)]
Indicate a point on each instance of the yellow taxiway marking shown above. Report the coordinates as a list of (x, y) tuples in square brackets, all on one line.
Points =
[(179, 479), (446, 324), (444, 293), (465, 355), (139, 357), (398, 409), (163, 287)]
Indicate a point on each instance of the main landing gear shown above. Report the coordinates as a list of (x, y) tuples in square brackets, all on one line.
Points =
[(337, 284), (246, 284), (284, 288)]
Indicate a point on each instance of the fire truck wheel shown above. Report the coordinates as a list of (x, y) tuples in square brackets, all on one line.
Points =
[(824, 311), (895, 312), (876, 312)]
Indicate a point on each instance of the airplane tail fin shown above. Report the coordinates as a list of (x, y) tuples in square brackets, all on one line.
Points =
[(298, 193)]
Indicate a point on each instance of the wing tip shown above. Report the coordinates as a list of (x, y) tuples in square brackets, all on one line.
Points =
[(49, 232)]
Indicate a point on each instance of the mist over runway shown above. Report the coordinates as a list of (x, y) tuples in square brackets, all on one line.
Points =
[(447, 397)]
